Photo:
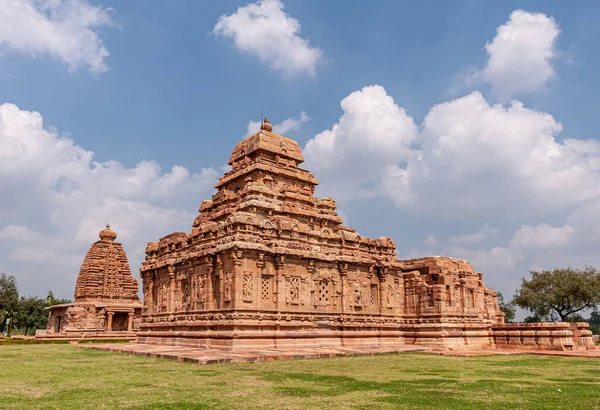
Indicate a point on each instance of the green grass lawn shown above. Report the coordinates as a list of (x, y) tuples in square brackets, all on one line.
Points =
[(63, 377)]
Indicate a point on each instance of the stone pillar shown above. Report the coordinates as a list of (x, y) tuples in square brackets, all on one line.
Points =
[(130, 322), (343, 267), (171, 304), (150, 304), (209, 296), (109, 326), (279, 262), (237, 283), (220, 275), (260, 264), (382, 277)]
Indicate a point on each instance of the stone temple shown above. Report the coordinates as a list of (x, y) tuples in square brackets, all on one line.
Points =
[(268, 265), (106, 300)]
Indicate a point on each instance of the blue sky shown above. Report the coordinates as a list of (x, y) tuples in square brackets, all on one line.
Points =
[(174, 91)]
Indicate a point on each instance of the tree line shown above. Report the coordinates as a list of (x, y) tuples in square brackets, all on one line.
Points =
[(22, 314)]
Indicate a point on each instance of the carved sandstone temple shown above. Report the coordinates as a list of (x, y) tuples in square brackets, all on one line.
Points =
[(268, 265), (106, 301)]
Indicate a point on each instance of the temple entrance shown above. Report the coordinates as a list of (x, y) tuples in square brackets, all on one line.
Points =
[(119, 322), (57, 323)]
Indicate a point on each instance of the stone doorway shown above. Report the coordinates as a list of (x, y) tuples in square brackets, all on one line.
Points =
[(57, 323), (120, 321)]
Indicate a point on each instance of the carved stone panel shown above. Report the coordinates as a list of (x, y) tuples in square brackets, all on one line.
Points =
[(294, 294), (247, 286)]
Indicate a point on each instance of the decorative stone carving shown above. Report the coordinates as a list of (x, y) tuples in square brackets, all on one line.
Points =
[(295, 290), (248, 287)]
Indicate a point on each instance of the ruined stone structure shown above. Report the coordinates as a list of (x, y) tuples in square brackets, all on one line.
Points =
[(106, 300), (268, 265)]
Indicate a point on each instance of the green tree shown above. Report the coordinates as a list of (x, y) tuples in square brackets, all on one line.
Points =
[(559, 293), (594, 322), (51, 300), (507, 307), (30, 314), (9, 299)]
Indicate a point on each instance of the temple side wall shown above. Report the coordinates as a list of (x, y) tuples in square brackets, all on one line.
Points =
[(250, 299)]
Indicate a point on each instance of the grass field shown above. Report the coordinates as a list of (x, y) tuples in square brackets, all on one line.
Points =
[(62, 377)]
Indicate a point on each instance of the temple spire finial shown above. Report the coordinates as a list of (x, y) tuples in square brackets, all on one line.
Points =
[(266, 125), (107, 234)]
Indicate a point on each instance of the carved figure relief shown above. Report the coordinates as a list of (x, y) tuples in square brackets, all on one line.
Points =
[(247, 287), (163, 297), (200, 288), (390, 296), (357, 294)]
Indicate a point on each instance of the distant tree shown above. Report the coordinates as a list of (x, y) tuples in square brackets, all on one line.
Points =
[(507, 307), (559, 293), (51, 300), (9, 299), (594, 322), (535, 319), (30, 314)]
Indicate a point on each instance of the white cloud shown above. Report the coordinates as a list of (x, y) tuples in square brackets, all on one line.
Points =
[(482, 234), (482, 159), (287, 125), (56, 198), (265, 30), (520, 57), (471, 161), (372, 134), (541, 236), (65, 29), (431, 240)]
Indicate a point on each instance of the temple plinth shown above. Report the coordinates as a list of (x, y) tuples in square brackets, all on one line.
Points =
[(106, 300)]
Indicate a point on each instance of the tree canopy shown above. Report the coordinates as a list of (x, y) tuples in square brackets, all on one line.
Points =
[(559, 293), (26, 313), (507, 307)]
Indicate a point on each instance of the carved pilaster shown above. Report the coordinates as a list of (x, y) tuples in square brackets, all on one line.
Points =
[(343, 268), (209, 290), (382, 276), (150, 304), (279, 264), (237, 281), (171, 304)]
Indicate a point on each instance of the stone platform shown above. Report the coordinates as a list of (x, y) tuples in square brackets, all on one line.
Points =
[(214, 356)]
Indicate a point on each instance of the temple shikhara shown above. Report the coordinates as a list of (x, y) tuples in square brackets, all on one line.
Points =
[(267, 264), (106, 295)]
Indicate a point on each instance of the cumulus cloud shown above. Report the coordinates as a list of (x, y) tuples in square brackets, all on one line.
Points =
[(266, 31), (287, 125), (477, 158), (373, 131), (470, 160), (56, 198), (64, 29), (521, 56), (481, 235)]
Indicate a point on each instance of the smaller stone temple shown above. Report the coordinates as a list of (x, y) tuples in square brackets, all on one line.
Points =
[(106, 296)]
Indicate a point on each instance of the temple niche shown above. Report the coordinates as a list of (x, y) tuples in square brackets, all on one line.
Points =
[(106, 300), (268, 265)]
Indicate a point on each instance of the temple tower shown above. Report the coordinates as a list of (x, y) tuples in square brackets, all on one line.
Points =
[(106, 301)]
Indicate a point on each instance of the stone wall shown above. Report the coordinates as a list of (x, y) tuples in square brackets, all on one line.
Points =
[(545, 336)]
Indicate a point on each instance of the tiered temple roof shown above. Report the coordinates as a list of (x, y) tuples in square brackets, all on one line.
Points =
[(105, 274)]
